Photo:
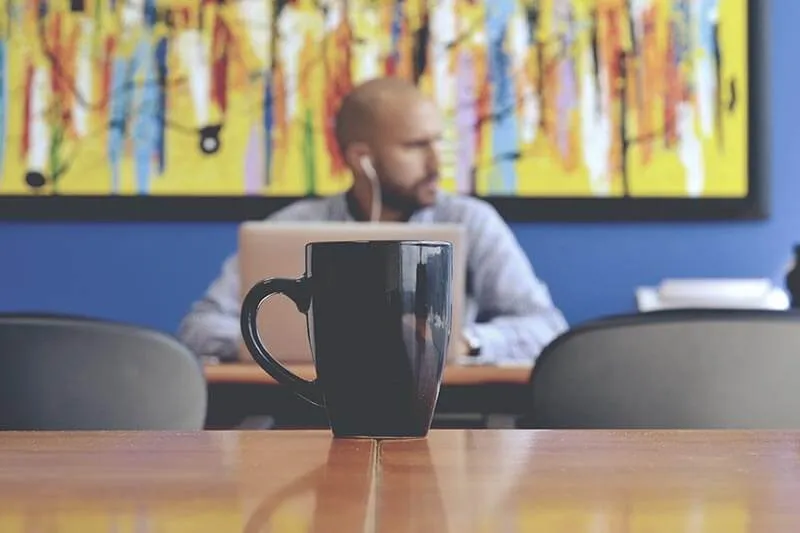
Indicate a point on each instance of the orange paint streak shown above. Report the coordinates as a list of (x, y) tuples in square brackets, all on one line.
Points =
[(339, 83)]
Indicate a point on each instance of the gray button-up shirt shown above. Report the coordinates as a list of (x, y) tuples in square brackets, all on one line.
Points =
[(508, 309)]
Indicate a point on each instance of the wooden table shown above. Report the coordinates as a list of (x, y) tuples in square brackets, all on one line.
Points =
[(459, 481), (240, 393)]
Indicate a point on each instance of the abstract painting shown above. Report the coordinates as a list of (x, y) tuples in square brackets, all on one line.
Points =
[(550, 106)]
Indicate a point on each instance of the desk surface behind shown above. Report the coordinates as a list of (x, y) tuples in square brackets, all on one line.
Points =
[(453, 374)]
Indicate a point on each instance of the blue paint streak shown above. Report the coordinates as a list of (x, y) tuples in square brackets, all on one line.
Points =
[(119, 104), (396, 29), (150, 13), (681, 30), (3, 104), (705, 28), (146, 117), (161, 112), (505, 144), (269, 121)]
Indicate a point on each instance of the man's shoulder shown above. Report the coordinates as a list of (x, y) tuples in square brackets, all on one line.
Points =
[(466, 209), (306, 210)]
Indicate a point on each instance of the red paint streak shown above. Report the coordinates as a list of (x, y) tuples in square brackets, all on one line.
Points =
[(612, 56), (671, 93), (339, 84), (26, 123), (55, 80), (108, 54), (391, 65), (219, 69), (612, 19), (483, 104), (68, 74), (650, 71)]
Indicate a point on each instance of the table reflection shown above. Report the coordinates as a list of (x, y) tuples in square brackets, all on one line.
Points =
[(591, 481), (157, 483)]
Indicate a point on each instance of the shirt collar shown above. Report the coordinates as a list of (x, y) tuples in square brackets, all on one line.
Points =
[(340, 211)]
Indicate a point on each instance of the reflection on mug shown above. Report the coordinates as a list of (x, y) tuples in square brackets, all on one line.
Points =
[(409, 498)]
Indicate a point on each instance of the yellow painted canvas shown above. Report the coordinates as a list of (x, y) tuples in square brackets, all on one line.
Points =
[(543, 98)]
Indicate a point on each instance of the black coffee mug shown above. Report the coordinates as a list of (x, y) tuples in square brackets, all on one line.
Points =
[(379, 319)]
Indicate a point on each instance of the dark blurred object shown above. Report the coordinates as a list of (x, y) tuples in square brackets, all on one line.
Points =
[(793, 279), (674, 369), (62, 372)]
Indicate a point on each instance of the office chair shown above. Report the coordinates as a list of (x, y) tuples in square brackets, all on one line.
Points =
[(688, 369), (61, 372)]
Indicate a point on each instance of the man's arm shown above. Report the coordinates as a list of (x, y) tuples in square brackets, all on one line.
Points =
[(516, 316), (211, 328)]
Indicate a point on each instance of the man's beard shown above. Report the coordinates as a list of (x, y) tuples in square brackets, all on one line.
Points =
[(405, 204)]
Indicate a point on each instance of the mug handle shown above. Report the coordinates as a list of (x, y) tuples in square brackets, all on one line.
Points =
[(298, 291)]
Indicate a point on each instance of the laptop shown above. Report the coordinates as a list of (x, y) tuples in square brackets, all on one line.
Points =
[(277, 250)]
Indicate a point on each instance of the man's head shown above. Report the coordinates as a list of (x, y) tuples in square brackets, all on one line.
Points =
[(390, 124)]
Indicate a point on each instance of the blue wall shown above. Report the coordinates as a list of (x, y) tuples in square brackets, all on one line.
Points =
[(149, 273)]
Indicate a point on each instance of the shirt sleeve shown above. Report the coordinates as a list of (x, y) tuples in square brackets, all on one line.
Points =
[(211, 328), (516, 315)]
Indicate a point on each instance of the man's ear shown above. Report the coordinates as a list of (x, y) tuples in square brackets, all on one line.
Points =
[(353, 155)]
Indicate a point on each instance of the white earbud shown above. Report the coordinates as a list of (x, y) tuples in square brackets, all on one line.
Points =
[(369, 170)]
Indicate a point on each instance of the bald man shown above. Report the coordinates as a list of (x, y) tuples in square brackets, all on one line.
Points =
[(388, 131)]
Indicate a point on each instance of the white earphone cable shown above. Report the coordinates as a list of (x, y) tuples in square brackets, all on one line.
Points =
[(377, 205), (375, 212)]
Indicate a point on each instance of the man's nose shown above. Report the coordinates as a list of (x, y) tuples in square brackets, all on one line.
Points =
[(434, 155)]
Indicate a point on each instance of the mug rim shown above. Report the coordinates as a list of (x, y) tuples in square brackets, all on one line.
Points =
[(381, 242)]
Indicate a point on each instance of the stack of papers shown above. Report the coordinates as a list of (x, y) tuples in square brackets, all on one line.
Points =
[(719, 293)]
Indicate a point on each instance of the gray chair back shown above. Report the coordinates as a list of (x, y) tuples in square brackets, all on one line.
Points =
[(691, 369), (70, 373)]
